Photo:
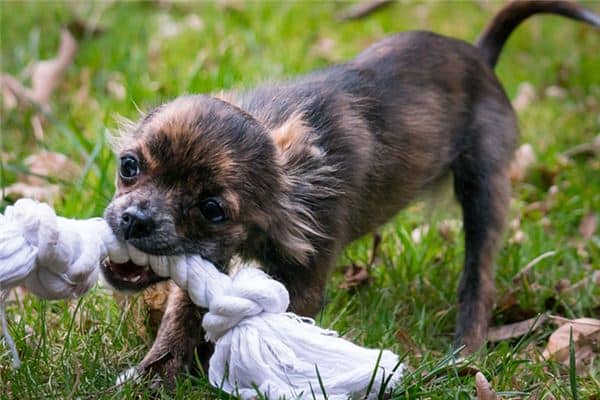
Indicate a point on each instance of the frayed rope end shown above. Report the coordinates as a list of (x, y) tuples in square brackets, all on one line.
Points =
[(9, 340)]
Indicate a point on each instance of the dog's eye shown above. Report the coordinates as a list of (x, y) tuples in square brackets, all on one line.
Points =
[(212, 211), (129, 167)]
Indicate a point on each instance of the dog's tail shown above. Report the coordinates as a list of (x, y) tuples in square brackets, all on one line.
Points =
[(492, 39)]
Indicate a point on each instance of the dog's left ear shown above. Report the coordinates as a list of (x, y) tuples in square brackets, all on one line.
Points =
[(295, 228), (293, 237)]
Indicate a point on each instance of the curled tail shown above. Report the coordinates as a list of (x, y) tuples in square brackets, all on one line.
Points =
[(492, 39)]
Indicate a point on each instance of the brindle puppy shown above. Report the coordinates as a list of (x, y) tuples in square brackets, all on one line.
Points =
[(290, 173)]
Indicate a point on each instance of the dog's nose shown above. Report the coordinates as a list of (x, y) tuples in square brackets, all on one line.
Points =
[(136, 223)]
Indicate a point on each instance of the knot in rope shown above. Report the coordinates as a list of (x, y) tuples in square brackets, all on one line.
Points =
[(251, 293), (53, 257)]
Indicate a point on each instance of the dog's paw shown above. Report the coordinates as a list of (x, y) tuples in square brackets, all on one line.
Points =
[(158, 372)]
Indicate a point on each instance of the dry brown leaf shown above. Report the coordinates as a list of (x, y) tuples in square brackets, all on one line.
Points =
[(593, 279), (404, 338), (515, 330), (9, 100), (419, 233), (483, 388), (6, 157), (449, 229), (155, 299), (14, 91), (115, 86), (586, 335), (42, 167), (588, 225), (46, 193), (170, 28), (48, 164), (556, 92), (45, 75), (586, 149), (323, 47), (524, 159), (517, 238), (525, 95), (362, 9), (527, 268), (354, 276)]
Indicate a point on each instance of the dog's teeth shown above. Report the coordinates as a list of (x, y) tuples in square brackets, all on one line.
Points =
[(160, 265), (137, 256), (118, 254), (136, 278)]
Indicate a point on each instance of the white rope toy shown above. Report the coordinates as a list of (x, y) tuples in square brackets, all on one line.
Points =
[(258, 346)]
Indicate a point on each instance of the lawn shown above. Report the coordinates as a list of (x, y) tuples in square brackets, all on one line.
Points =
[(152, 52)]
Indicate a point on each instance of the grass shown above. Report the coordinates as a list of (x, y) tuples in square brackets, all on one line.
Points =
[(76, 349)]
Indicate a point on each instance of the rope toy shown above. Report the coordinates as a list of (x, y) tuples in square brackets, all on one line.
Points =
[(259, 347)]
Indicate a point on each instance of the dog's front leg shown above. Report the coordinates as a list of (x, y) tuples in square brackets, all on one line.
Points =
[(179, 339)]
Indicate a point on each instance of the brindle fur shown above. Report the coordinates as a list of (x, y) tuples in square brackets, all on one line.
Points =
[(305, 167)]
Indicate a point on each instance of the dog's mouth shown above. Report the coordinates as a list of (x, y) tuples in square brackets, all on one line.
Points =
[(129, 276)]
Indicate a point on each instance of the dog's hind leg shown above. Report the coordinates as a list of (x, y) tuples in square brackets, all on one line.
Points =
[(482, 187)]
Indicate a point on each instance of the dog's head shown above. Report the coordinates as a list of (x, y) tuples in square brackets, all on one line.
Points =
[(201, 176), (195, 176)]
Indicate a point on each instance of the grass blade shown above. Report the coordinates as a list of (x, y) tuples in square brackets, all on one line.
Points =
[(572, 366)]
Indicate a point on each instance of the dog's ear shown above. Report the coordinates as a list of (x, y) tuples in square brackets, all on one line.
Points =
[(306, 180), (293, 228)]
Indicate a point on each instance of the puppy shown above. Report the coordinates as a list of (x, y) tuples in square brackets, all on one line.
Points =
[(290, 173)]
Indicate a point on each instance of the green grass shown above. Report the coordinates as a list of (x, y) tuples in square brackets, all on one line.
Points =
[(76, 349)]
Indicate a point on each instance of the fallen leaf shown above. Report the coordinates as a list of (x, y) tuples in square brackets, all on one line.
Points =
[(45, 78), (115, 86), (563, 285), (586, 149), (14, 91), (354, 276), (47, 74), (194, 22), (483, 388), (588, 225), (593, 279), (9, 100), (521, 164), (555, 92), (48, 164), (517, 238), (47, 193), (362, 9), (586, 335), (515, 330), (43, 168), (169, 28), (527, 268), (525, 95), (407, 342), (419, 233), (357, 275), (449, 228), (155, 299), (323, 48)]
